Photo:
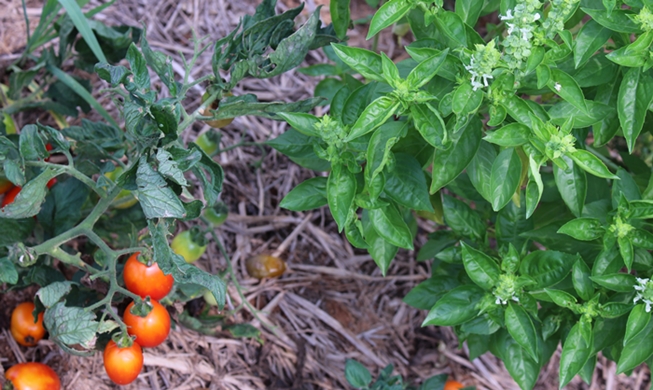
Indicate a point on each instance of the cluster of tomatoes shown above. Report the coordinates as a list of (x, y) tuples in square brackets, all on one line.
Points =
[(27, 332), (123, 363)]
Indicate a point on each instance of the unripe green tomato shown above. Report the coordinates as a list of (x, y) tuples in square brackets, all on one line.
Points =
[(209, 298), (184, 246), (217, 214), (219, 122), (125, 199), (206, 144)]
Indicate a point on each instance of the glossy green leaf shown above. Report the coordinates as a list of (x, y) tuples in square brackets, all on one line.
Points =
[(505, 178), (641, 209), (427, 293), (430, 125), (521, 328), (341, 190), (390, 225), (638, 320), (480, 169), (469, 10), (580, 277), (378, 149), (462, 219), (381, 251), (452, 29), (617, 20), (388, 14), (567, 88), (595, 113), (365, 62), (300, 149), (426, 70), (512, 135), (583, 229), (626, 251), (481, 268), (522, 368), (448, 164), (591, 37), (635, 96), (547, 268), (534, 188), (406, 183), (374, 115), (340, 17), (466, 100), (572, 185), (308, 195), (455, 307), (607, 94), (637, 349), (561, 298), (304, 123), (575, 353), (511, 223)]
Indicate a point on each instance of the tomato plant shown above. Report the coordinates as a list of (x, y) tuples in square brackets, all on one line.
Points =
[(146, 280), (150, 330), (265, 266), (189, 244), (123, 364), (122, 183), (25, 330), (33, 376)]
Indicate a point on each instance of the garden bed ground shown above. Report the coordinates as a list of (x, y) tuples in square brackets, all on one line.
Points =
[(332, 305)]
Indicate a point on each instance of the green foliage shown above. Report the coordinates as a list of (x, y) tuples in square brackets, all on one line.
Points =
[(530, 145), (121, 189)]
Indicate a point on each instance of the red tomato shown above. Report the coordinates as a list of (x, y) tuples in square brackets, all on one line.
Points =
[(123, 364), (143, 280), (33, 376), (150, 330), (10, 196), (23, 328), (453, 385), (51, 182), (48, 147)]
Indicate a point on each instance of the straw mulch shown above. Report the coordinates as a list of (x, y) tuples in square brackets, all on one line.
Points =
[(331, 305)]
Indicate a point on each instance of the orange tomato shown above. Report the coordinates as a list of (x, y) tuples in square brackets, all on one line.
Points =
[(151, 330), (23, 328), (123, 364), (453, 385), (33, 376), (146, 281)]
